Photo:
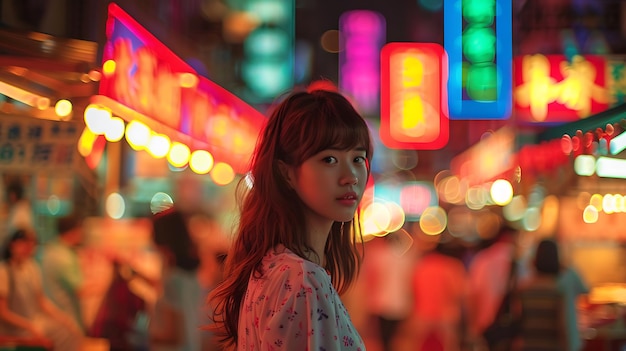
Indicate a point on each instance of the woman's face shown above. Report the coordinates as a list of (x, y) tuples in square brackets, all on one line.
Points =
[(331, 184)]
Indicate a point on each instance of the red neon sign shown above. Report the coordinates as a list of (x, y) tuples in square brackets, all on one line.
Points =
[(414, 113), (147, 78), (551, 89)]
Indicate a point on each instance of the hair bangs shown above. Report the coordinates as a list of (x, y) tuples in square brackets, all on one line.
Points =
[(335, 128)]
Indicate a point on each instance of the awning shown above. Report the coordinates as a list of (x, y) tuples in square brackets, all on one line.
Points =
[(599, 120), (38, 70)]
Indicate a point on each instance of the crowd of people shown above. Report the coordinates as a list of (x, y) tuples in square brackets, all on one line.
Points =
[(295, 275)]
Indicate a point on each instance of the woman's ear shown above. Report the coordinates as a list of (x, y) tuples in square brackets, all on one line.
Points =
[(286, 172)]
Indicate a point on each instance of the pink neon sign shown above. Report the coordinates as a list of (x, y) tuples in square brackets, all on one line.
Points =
[(363, 35)]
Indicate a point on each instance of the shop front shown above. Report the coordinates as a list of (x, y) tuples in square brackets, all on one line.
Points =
[(45, 82)]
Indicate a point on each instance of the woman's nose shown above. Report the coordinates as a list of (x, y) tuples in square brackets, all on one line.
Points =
[(350, 179)]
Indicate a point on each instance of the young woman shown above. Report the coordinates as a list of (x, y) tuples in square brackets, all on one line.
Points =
[(296, 247)]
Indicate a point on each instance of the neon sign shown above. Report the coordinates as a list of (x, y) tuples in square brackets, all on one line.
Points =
[(268, 65), (550, 89), (363, 34), (413, 110), (145, 79), (477, 38)]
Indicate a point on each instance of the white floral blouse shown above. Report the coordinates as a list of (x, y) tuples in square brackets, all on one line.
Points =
[(294, 307)]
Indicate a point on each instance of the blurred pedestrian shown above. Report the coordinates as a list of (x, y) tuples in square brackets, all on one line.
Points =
[(24, 308), (543, 321), (387, 267), (440, 292), (550, 272), (490, 277), (572, 287), (20, 214), (118, 316), (180, 291), (296, 245), (62, 273)]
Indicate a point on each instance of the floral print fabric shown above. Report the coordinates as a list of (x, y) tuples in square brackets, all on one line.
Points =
[(294, 306)]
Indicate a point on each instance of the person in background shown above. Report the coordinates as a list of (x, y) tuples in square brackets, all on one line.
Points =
[(572, 287), (387, 267), (440, 291), (117, 317), (296, 246), (24, 308), (20, 214), (181, 292), (60, 266), (542, 323), (489, 278)]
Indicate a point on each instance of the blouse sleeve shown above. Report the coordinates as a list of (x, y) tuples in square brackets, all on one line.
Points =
[(304, 317)]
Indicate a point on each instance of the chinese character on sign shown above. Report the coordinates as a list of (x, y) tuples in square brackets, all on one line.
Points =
[(554, 89), (41, 153), (6, 153), (35, 132), (617, 87), (577, 89), (14, 132), (64, 154)]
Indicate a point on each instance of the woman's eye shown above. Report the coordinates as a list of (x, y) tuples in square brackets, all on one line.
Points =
[(330, 159), (360, 159)]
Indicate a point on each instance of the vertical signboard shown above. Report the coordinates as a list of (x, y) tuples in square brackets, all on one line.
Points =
[(478, 40), (413, 114), (362, 36), (268, 64)]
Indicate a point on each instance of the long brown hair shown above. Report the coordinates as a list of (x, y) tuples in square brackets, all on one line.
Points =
[(303, 124)]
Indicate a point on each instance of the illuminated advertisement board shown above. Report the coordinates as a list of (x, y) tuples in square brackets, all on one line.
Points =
[(413, 114), (552, 89), (362, 35), (477, 38), (144, 80)]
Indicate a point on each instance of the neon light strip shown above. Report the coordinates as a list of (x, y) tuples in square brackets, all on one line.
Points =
[(22, 95), (611, 167), (461, 108), (585, 165), (618, 144)]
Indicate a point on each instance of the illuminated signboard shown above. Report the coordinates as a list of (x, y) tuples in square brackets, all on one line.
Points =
[(363, 35), (551, 89), (616, 80), (144, 80), (37, 145), (413, 96), (268, 65), (478, 40)]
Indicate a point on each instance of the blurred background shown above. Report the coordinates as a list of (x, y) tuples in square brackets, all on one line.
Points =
[(486, 113)]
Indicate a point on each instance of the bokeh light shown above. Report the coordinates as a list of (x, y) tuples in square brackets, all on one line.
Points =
[(434, 220), (115, 206), (201, 161), (160, 202), (222, 173)]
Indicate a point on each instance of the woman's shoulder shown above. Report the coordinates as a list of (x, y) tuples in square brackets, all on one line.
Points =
[(285, 265)]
